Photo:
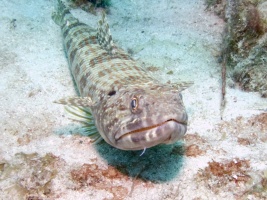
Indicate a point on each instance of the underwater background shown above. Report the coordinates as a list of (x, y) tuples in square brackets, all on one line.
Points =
[(45, 155)]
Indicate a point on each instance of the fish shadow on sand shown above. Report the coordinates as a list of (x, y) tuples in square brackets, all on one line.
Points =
[(161, 163), (157, 164)]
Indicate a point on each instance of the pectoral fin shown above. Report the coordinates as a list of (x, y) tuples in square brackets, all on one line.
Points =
[(76, 101)]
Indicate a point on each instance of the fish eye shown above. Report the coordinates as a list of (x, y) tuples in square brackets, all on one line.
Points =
[(134, 103)]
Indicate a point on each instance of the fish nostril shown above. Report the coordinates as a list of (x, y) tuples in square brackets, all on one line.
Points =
[(111, 93)]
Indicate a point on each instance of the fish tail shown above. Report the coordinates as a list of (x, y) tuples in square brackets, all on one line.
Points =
[(62, 15)]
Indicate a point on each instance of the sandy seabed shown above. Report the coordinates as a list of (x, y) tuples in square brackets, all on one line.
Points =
[(44, 155)]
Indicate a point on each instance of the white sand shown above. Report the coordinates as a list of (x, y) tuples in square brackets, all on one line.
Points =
[(171, 35)]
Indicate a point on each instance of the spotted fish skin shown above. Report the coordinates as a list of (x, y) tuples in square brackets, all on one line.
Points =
[(131, 109)]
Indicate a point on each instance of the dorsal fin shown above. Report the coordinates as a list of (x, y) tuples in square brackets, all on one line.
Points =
[(103, 35)]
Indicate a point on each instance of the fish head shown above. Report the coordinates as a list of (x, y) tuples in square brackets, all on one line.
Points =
[(141, 117)]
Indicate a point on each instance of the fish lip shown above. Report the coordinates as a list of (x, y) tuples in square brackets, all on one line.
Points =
[(167, 132), (150, 128)]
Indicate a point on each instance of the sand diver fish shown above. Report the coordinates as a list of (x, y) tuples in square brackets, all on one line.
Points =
[(118, 99)]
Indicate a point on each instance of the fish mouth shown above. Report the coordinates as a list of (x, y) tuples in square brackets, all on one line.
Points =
[(166, 132), (151, 127)]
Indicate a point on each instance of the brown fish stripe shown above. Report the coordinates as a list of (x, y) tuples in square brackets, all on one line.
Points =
[(81, 35), (81, 43), (85, 52), (73, 53), (72, 27), (77, 46)]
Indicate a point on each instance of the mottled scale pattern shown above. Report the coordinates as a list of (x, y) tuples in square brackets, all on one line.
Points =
[(96, 71), (131, 109)]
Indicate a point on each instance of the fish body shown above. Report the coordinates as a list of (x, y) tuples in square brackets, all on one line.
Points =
[(130, 109)]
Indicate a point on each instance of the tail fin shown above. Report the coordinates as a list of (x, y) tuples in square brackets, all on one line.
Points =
[(103, 35), (62, 14)]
